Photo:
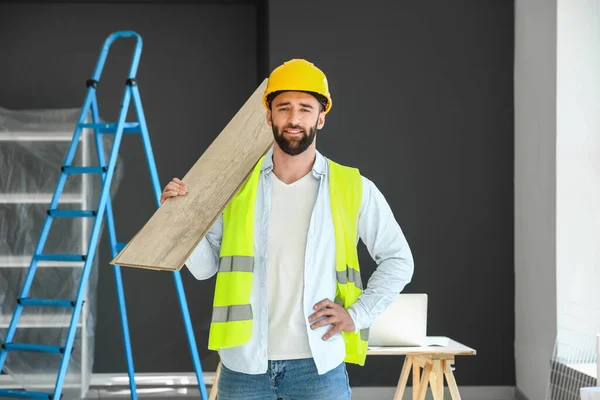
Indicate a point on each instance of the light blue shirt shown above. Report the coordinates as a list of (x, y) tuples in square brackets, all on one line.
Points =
[(378, 230)]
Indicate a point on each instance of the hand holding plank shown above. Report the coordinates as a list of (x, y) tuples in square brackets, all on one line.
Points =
[(173, 189)]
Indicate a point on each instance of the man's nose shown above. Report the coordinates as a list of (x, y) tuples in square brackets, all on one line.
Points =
[(295, 117)]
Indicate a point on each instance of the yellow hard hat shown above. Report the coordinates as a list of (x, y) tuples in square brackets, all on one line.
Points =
[(298, 75)]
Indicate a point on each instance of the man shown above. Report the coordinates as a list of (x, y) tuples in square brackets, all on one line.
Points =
[(289, 307)]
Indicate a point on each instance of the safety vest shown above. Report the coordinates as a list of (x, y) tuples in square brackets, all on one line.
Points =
[(232, 317)]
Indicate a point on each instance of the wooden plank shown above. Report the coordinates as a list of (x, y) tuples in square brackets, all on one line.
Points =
[(168, 238)]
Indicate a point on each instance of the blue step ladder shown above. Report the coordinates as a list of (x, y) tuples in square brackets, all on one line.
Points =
[(106, 171)]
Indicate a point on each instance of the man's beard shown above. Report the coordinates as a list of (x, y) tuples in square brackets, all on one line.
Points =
[(294, 147)]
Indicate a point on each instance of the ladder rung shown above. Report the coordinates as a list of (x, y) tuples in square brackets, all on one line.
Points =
[(46, 302), (37, 348), (61, 257), (71, 213), (83, 170), (23, 394), (128, 127)]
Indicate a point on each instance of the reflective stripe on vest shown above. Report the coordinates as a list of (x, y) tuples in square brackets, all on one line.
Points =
[(236, 263), (232, 313), (231, 323), (349, 275)]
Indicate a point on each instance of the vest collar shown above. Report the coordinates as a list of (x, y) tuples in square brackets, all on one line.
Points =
[(319, 167)]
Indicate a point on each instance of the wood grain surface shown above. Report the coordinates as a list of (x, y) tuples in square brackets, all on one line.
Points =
[(166, 241)]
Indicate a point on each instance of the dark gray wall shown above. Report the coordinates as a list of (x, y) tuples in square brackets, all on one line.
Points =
[(423, 105), (198, 65)]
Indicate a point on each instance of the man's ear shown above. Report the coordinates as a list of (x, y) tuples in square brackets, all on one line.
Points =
[(321, 120), (269, 117)]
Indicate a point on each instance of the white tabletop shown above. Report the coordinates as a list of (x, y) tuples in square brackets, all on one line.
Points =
[(435, 345)]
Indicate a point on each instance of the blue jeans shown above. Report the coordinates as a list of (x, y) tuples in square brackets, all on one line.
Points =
[(285, 380)]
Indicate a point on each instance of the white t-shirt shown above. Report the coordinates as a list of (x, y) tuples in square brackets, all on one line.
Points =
[(291, 210)]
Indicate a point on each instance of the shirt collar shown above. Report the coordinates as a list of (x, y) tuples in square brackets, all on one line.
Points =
[(319, 167)]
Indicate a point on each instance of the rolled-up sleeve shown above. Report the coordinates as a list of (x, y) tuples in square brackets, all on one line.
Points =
[(387, 245), (203, 263)]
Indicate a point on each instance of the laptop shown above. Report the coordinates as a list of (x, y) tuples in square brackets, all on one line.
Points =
[(402, 324)]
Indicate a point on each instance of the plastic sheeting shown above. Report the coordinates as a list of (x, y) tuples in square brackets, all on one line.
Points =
[(33, 146)]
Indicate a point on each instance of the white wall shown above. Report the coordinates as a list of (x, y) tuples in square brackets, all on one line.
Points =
[(557, 185), (578, 177), (535, 188)]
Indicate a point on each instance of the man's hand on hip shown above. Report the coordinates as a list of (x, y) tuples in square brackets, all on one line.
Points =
[(335, 315)]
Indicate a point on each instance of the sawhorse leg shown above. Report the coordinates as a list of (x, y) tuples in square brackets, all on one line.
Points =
[(428, 371), (408, 363), (447, 368), (215, 385)]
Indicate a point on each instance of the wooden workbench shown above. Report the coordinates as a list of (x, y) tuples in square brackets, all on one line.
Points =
[(429, 366)]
